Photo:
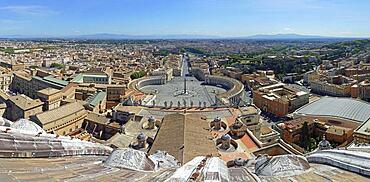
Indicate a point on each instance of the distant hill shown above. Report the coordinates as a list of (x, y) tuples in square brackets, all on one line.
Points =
[(22, 36), (285, 36), (140, 37), (185, 36), (109, 36)]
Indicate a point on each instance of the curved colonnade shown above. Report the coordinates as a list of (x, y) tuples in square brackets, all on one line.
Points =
[(231, 97), (234, 89)]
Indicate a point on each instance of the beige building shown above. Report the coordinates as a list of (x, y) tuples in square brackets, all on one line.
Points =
[(5, 81), (69, 91), (339, 86), (114, 95), (51, 98), (30, 85), (279, 99), (167, 72), (62, 120), (82, 93), (100, 126), (21, 106), (14, 66), (361, 90), (21, 83), (362, 133), (250, 117)]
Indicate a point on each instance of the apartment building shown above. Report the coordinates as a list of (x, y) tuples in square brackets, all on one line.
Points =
[(21, 106), (279, 99), (62, 120)]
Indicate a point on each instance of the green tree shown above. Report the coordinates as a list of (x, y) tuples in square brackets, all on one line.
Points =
[(312, 145), (137, 74), (56, 65), (304, 136)]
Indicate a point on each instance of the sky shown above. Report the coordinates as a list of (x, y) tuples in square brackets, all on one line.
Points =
[(226, 18)]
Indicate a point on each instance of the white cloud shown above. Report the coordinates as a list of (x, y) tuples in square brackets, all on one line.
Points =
[(288, 29)]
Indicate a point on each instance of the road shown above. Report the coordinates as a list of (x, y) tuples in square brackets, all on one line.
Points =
[(184, 66)]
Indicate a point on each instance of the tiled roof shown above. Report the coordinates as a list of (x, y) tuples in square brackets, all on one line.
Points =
[(184, 136), (49, 91), (25, 102), (97, 118), (60, 112)]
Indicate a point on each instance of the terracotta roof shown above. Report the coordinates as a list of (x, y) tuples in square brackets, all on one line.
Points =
[(97, 118), (25, 102), (184, 136), (48, 91), (248, 142), (69, 86), (131, 109), (60, 112)]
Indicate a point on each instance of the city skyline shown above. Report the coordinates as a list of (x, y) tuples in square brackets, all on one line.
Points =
[(218, 18)]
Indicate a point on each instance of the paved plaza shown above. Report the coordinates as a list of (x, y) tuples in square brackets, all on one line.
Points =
[(173, 90), (209, 114)]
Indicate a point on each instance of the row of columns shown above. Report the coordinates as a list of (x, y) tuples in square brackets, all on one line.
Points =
[(183, 105)]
